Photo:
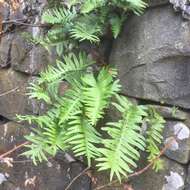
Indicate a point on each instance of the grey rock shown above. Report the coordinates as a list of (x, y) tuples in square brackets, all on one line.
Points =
[(13, 99), (183, 6), (152, 57), (28, 58), (172, 177), (5, 49), (51, 175), (180, 148), (153, 3), (187, 187), (170, 112)]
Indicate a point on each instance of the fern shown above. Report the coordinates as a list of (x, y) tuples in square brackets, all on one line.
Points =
[(63, 70), (71, 120), (83, 138), (120, 153), (116, 24), (82, 31), (59, 15), (154, 137), (90, 5), (97, 94)]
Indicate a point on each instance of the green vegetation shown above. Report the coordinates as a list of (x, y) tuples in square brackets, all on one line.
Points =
[(72, 120)]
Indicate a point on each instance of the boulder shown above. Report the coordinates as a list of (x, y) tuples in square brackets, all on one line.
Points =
[(13, 99), (180, 148), (54, 174), (28, 58), (152, 57), (5, 49), (172, 177), (153, 3)]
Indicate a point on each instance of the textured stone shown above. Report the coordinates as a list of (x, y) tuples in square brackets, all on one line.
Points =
[(152, 57), (5, 49), (172, 177), (170, 112), (15, 101), (180, 149), (187, 187), (157, 2), (51, 175), (27, 58)]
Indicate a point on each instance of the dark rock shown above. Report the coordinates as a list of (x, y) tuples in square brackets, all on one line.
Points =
[(53, 175), (170, 112), (13, 99), (172, 177), (28, 58), (153, 3), (180, 148), (152, 57), (5, 49)]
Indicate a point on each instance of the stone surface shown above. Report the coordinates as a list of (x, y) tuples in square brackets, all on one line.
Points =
[(13, 99), (28, 58), (5, 49), (187, 187), (170, 112), (152, 57), (180, 149), (183, 6), (55, 174), (172, 177), (157, 2)]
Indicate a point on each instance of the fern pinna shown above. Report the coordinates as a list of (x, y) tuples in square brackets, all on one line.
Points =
[(71, 122)]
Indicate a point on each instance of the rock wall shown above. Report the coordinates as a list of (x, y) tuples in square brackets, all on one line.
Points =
[(152, 55)]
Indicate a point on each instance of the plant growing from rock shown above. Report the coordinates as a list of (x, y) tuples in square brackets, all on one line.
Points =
[(72, 119), (71, 123)]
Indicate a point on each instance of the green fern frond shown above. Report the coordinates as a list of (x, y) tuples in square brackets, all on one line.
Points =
[(97, 93), (91, 5), (36, 150), (72, 65), (59, 15), (83, 31), (37, 92), (83, 138), (122, 148), (116, 24), (154, 136), (69, 104), (137, 6)]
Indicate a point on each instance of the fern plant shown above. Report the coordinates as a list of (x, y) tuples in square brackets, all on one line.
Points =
[(89, 20), (72, 120)]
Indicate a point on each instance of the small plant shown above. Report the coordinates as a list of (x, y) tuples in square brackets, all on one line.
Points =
[(71, 123), (75, 21)]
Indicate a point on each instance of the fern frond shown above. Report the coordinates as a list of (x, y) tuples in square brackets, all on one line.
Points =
[(72, 65), (121, 150), (59, 15), (37, 92), (91, 5), (36, 150), (83, 31), (97, 93), (83, 138), (69, 104), (154, 136), (116, 24)]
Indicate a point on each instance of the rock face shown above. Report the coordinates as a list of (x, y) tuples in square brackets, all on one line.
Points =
[(171, 178), (55, 174), (28, 58), (13, 99), (153, 62), (180, 149), (157, 2)]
